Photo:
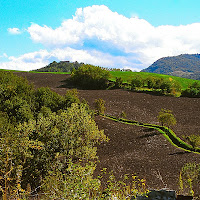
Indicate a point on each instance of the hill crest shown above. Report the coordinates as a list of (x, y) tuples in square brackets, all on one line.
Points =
[(184, 65)]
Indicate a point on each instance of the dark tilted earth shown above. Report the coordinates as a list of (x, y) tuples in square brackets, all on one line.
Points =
[(133, 149)]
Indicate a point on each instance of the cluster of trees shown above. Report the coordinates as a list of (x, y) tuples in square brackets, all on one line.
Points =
[(93, 77), (43, 136), (62, 66), (90, 77), (48, 145), (192, 91), (158, 84)]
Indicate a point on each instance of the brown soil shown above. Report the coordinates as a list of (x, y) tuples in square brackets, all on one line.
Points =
[(133, 149)]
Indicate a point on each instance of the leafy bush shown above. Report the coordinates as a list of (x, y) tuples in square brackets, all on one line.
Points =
[(189, 178), (192, 91), (100, 106), (193, 140), (90, 77), (118, 82), (123, 115), (166, 117), (136, 82)]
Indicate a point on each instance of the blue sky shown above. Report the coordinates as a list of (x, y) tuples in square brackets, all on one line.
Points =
[(110, 33)]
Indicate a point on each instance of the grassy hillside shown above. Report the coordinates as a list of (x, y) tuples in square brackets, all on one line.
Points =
[(128, 76), (184, 65)]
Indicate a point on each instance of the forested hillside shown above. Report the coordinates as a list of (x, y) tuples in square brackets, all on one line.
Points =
[(185, 65), (62, 66)]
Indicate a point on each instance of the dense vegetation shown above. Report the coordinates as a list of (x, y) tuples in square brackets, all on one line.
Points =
[(90, 77), (127, 76), (47, 145), (185, 65), (48, 140), (192, 90), (62, 66)]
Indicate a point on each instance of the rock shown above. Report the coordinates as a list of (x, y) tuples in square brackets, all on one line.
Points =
[(158, 195), (181, 197)]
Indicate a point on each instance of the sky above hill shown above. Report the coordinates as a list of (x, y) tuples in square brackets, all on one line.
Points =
[(109, 33)]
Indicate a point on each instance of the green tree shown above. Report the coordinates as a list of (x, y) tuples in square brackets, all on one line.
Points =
[(76, 183), (150, 81), (90, 77), (45, 97), (192, 91), (70, 97), (15, 149), (69, 135), (165, 117), (137, 82), (118, 82), (100, 106)]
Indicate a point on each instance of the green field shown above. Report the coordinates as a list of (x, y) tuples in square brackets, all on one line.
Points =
[(128, 76)]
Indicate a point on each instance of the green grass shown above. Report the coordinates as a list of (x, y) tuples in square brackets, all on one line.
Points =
[(128, 76), (167, 133)]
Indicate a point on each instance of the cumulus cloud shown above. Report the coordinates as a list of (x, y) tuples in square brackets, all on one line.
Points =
[(38, 59), (102, 37), (129, 35), (14, 31), (27, 61)]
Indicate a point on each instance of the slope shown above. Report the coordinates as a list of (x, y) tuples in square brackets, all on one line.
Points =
[(184, 65)]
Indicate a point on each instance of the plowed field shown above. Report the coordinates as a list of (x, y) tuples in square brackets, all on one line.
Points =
[(133, 149)]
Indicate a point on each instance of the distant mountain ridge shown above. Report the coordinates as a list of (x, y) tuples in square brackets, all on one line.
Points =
[(184, 65)]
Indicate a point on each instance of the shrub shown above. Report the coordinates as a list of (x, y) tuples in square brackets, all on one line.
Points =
[(166, 117), (70, 97), (193, 140), (192, 91), (123, 115), (118, 82), (90, 77), (136, 82), (189, 178), (100, 106)]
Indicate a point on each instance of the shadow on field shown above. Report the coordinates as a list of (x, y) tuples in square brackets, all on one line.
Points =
[(179, 153), (150, 133)]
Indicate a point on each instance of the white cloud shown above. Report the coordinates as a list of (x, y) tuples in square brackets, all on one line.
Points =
[(4, 55), (42, 58), (14, 31), (99, 36), (129, 35)]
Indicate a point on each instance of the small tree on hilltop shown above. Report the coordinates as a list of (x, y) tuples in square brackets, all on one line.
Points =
[(166, 117)]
